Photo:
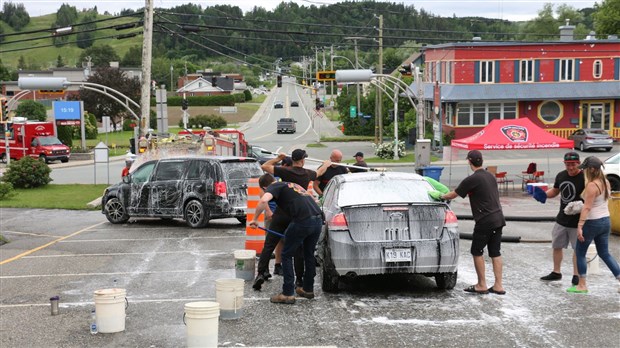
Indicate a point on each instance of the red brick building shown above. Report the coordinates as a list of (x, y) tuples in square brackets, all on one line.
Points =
[(560, 85)]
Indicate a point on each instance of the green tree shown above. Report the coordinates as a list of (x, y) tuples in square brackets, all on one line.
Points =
[(21, 63), (65, 16), (100, 55), (101, 105), (15, 15), (32, 110), (133, 57), (5, 73), (85, 36), (60, 62), (607, 18)]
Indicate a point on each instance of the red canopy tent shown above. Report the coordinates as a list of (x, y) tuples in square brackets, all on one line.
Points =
[(517, 134)]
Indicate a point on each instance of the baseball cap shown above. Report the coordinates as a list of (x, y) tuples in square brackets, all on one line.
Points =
[(591, 162), (298, 154), (475, 157), (360, 154), (571, 157)]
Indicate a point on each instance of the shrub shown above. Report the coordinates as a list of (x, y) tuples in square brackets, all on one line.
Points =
[(386, 150), (65, 135), (200, 121), (27, 173), (6, 190)]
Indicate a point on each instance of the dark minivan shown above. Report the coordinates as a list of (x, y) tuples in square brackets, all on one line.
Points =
[(196, 189)]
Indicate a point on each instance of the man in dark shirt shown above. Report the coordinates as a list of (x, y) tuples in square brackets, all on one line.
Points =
[(303, 231), (569, 184), (359, 162), (481, 187), (280, 220), (328, 170)]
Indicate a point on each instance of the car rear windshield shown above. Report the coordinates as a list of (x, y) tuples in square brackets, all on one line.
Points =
[(383, 191), (241, 170), (286, 120), (597, 131)]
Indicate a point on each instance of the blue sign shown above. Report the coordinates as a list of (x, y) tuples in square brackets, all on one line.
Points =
[(366, 116), (67, 110)]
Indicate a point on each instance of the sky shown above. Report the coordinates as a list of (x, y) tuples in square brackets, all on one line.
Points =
[(513, 10)]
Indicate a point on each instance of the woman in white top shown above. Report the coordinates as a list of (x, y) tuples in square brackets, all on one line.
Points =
[(594, 223)]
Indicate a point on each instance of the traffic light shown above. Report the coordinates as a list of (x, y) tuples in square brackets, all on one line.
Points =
[(279, 79), (326, 75), (405, 69), (5, 110), (401, 115), (184, 104)]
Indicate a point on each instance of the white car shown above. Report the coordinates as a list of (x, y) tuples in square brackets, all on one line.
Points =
[(612, 171)]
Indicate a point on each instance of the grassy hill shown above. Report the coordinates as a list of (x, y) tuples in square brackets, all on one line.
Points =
[(38, 49)]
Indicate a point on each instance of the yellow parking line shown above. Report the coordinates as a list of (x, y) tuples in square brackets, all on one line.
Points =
[(48, 244)]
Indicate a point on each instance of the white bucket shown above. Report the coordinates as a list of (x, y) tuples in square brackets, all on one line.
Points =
[(592, 258), (201, 320), (229, 294), (110, 310), (245, 261)]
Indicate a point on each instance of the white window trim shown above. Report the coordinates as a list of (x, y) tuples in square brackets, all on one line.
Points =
[(486, 115), (564, 70), (600, 64), (491, 76), (529, 67)]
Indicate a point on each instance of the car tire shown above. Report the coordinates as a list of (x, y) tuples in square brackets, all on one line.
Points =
[(64, 160), (614, 181), (243, 220), (43, 158), (195, 214), (582, 148), (329, 278), (446, 281), (608, 149), (115, 212)]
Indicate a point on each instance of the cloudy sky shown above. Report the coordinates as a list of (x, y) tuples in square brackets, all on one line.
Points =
[(514, 10)]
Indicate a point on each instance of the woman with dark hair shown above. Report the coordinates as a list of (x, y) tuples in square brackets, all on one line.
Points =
[(594, 223)]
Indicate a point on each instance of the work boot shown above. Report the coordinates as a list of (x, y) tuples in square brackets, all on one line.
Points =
[(552, 276), (258, 282), (281, 298), (277, 269), (305, 294), (266, 275)]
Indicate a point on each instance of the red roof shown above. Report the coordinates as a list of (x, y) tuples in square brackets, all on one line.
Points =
[(517, 134)]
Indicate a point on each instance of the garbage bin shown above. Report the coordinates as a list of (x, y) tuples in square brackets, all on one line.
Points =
[(432, 172)]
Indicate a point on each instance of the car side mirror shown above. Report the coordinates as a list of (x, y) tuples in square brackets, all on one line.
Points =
[(127, 179)]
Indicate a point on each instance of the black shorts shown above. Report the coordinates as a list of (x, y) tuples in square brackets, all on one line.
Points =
[(483, 237)]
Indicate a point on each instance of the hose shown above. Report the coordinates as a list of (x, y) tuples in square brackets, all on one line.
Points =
[(516, 218)]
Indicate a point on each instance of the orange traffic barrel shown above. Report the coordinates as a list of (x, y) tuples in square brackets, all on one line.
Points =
[(254, 237)]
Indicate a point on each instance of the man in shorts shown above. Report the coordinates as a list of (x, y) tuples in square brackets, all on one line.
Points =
[(481, 187), (569, 184)]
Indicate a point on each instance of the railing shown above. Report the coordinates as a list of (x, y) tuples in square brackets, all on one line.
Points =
[(565, 132)]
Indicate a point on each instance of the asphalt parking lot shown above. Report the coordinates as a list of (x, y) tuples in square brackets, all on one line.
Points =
[(164, 265)]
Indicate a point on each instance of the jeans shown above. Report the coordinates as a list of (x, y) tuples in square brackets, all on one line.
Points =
[(597, 231), (279, 223), (303, 233)]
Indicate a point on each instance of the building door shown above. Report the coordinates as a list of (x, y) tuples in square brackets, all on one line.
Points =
[(596, 117)]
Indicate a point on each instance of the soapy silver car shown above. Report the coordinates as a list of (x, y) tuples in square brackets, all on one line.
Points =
[(385, 223)]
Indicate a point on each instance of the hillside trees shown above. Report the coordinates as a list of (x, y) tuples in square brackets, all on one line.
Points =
[(102, 105), (100, 55), (15, 15), (85, 37), (607, 17), (66, 16)]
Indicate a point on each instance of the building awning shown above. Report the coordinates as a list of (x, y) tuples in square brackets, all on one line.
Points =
[(523, 91)]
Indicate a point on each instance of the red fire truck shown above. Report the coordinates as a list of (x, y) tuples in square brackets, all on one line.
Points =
[(34, 139), (240, 146)]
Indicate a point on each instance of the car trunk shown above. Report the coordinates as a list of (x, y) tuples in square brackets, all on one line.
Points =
[(237, 175)]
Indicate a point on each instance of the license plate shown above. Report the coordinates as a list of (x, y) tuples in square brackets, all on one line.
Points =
[(397, 255)]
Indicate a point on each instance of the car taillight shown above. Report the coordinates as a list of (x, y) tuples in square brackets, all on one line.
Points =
[(450, 219), (338, 222), (589, 138), (220, 189)]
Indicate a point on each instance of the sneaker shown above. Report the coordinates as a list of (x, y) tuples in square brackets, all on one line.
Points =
[(552, 276), (258, 282), (575, 280), (277, 270), (281, 298), (267, 275), (305, 294)]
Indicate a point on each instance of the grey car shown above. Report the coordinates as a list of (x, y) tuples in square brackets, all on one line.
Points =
[(612, 171), (591, 138), (385, 223)]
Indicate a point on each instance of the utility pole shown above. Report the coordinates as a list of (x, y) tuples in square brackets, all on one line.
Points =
[(331, 67), (357, 66), (379, 99), (171, 76), (147, 43)]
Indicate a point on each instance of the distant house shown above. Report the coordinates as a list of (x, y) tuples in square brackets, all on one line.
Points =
[(210, 84), (560, 85)]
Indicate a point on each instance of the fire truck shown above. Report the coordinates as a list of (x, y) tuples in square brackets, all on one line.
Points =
[(240, 145), (34, 139)]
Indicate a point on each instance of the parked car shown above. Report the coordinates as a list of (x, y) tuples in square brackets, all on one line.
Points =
[(612, 171), (294, 103), (591, 138), (196, 189), (261, 154), (385, 223), (278, 105)]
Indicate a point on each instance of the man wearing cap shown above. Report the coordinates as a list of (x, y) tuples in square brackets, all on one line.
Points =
[(481, 187), (569, 184), (359, 162), (328, 170), (296, 174)]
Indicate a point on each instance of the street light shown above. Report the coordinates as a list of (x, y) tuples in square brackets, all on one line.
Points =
[(357, 85)]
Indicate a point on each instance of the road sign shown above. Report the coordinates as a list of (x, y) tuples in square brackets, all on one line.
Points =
[(353, 111)]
